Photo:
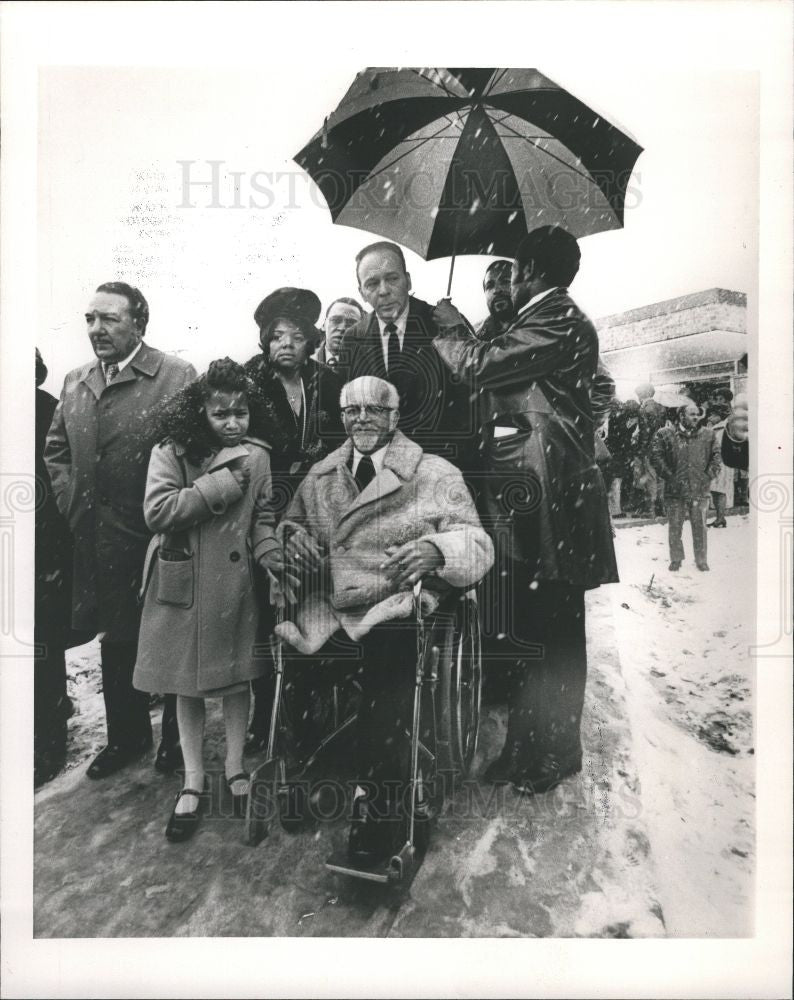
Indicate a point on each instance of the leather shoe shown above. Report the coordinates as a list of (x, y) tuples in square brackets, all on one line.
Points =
[(182, 826), (371, 839), (703, 567), (114, 757), (675, 565), (169, 758), (551, 772)]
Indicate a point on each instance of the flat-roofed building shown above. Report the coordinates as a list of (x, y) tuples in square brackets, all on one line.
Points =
[(698, 338)]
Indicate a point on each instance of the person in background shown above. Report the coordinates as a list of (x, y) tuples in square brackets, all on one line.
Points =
[(651, 419), (52, 606), (339, 317), (687, 457), (623, 431), (97, 453), (496, 285), (735, 449), (722, 484)]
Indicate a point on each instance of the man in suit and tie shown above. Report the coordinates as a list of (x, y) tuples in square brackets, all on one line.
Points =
[(97, 455), (395, 341), (339, 317)]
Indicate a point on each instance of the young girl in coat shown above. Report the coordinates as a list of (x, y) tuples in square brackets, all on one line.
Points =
[(207, 499)]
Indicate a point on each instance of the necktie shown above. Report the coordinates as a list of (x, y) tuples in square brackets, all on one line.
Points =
[(111, 371), (393, 352), (365, 473)]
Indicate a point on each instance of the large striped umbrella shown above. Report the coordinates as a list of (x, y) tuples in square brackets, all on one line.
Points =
[(467, 161)]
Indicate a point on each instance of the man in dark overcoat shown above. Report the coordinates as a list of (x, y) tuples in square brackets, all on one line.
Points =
[(97, 455), (395, 342), (544, 500)]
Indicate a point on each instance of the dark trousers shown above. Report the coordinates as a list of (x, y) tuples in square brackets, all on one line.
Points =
[(547, 678), (127, 710), (50, 704), (383, 663)]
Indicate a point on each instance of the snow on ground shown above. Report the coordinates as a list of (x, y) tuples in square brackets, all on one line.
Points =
[(684, 643)]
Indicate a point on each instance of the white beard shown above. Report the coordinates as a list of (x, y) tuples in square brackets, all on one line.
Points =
[(365, 441)]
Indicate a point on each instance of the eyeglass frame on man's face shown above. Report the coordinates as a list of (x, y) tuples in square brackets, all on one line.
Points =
[(370, 410)]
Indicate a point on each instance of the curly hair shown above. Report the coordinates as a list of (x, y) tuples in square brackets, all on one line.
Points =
[(183, 420)]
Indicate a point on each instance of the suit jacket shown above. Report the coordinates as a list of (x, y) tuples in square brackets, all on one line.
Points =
[(544, 495), (436, 409), (97, 454), (414, 497)]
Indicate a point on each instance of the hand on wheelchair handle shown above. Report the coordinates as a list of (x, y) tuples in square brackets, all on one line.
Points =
[(411, 562)]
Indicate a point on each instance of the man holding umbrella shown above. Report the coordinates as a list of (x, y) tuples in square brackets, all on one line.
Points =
[(544, 499)]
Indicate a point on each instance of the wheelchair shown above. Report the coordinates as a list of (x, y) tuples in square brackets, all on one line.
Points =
[(443, 738)]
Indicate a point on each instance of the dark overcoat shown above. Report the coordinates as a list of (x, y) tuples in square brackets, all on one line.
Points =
[(97, 454), (200, 614), (437, 410), (544, 498)]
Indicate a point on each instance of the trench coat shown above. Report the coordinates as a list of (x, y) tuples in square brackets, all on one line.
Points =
[(97, 454), (544, 500), (205, 640), (414, 497)]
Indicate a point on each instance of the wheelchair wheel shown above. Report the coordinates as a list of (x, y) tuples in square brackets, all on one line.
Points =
[(459, 684)]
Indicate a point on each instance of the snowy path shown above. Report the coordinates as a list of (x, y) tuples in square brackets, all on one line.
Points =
[(684, 645)]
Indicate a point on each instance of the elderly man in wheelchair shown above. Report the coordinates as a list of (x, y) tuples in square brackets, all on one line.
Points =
[(378, 536)]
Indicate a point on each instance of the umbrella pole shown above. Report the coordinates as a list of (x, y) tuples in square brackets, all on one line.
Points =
[(454, 252), (451, 272)]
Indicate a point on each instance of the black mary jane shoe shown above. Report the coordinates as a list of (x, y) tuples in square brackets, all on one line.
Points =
[(182, 826), (239, 802)]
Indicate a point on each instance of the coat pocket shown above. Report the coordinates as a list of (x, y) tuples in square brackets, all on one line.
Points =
[(175, 579)]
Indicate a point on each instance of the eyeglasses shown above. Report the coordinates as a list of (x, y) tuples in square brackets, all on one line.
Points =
[(368, 409)]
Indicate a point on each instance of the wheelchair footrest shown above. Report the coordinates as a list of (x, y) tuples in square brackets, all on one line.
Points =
[(393, 870)]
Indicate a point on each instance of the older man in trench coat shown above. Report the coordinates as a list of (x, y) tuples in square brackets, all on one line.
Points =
[(97, 454), (544, 500)]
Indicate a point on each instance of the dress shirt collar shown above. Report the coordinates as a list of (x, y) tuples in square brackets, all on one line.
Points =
[(122, 364), (401, 323), (376, 456)]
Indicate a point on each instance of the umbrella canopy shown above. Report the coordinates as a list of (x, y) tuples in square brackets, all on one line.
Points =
[(671, 399), (467, 161)]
